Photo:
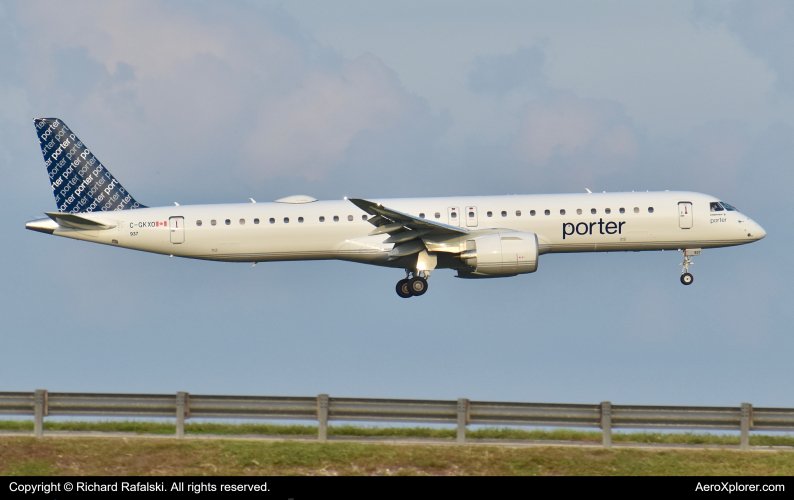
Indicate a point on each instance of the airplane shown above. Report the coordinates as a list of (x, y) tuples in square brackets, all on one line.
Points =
[(478, 236)]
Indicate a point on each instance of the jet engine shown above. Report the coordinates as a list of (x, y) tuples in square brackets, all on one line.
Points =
[(502, 254)]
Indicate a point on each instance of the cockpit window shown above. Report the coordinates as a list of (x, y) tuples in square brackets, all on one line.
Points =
[(716, 207), (730, 208)]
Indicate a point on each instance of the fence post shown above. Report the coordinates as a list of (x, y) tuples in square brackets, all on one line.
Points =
[(182, 412), (40, 410), (746, 425), (606, 423), (322, 417), (463, 419)]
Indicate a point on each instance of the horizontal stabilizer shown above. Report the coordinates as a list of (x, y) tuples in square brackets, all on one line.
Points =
[(73, 221)]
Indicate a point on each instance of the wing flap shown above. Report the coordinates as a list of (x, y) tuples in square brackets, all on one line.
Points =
[(387, 228), (406, 236), (406, 249)]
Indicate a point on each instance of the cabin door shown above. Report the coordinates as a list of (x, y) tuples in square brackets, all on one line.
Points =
[(685, 215), (177, 227)]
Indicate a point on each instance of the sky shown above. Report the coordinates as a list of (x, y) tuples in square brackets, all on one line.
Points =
[(217, 102)]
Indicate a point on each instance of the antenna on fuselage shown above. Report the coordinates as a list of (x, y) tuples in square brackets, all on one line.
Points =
[(588, 191)]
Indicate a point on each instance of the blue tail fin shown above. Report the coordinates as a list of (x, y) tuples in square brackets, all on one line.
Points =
[(80, 182)]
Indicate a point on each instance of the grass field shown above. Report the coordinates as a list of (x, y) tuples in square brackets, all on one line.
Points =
[(121, 456), (387, 432)]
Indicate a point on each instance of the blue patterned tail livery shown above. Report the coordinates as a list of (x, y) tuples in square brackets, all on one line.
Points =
[(80, 182)]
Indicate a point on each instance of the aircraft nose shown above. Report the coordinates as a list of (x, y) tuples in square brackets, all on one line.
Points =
[(759, 232), (756, 232)]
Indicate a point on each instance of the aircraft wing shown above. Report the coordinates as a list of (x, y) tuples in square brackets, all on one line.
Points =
[(393, 221)]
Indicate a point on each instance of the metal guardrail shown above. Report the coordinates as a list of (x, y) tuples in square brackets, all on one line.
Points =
[(462, 412)]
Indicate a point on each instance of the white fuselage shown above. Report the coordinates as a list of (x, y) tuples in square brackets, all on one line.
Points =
[(259, 232)]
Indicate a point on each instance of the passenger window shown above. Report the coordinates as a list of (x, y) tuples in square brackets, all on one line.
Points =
[(504, 214), (518, 213), (349, 217), (578, 211), (547, 212), (272, 220), (636, 210), (471, 215), (198, 223), (716, 207), (489, 214), (336, 218), (364, 217), (242, 222), (438, 215), (622, 210), (213, 222), (228, 222), (562, 211), (322, 219), (422, 215), (607, 211), (593, 211), (300, 219), (650, 210), (532, 213), (256, 221), (286, 220), (454, 215)]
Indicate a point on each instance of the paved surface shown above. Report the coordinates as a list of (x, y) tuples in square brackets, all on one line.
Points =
[(511, 443)]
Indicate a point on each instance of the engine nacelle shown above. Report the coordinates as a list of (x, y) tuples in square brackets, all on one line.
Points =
[(503, 254)]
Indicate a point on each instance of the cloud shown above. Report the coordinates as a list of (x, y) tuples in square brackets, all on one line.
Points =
[(313, 126), (499, 74), (568, 127), (191, 92), (551, 136), (764, 26)]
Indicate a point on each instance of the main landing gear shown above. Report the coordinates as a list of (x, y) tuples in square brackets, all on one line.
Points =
[(686, 276), (413, 286)]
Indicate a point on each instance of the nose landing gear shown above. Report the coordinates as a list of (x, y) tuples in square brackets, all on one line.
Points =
[(686, 277), (413, 286)]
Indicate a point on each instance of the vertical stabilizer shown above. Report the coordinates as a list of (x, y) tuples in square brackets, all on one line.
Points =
[(79, 181)]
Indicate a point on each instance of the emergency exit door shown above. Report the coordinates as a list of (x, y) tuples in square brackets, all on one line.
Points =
[(685, 215), (177, 227), (453, 217), (471, 216)]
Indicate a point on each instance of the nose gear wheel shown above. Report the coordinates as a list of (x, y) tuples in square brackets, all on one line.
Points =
[(686, 276)]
